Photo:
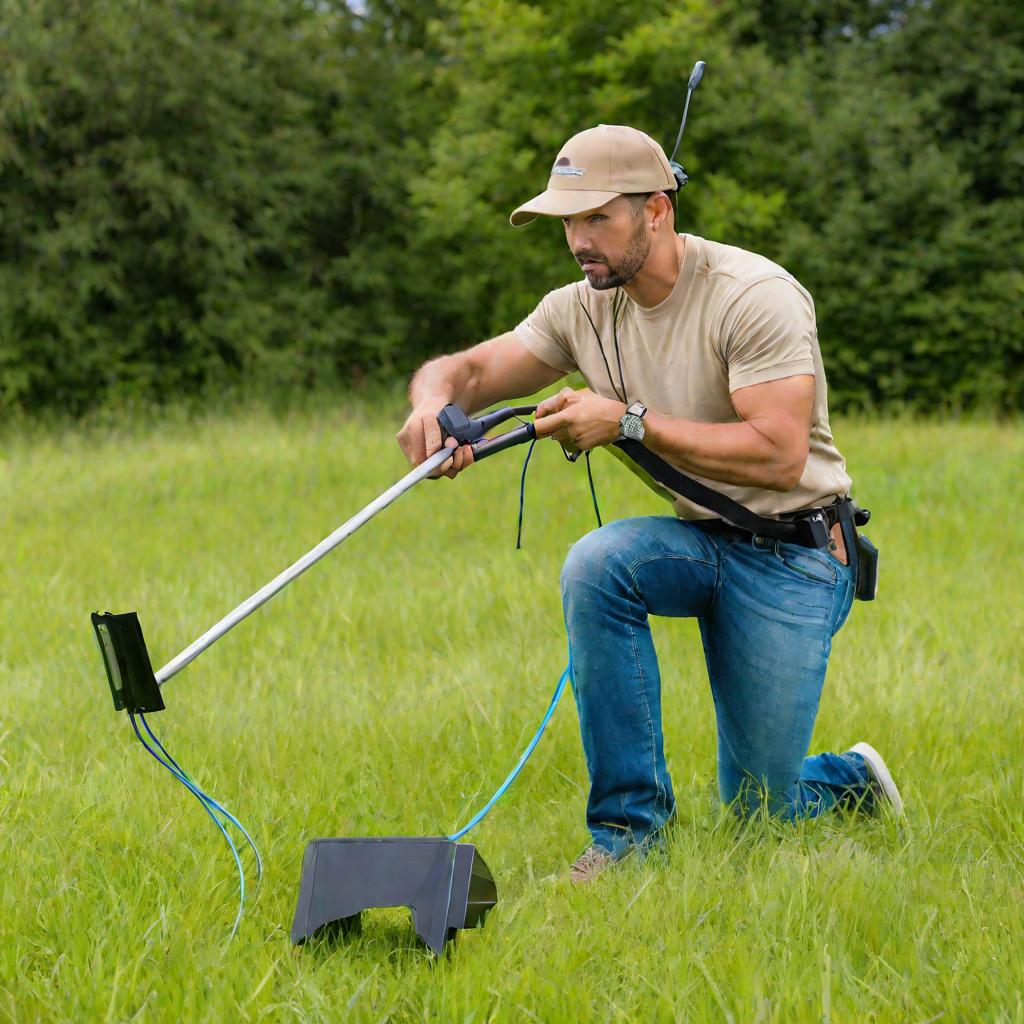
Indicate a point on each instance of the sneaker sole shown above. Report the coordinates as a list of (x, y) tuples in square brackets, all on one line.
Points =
[(880, 774)]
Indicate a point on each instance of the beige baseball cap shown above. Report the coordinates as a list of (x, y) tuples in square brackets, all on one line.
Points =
[(594, 167)]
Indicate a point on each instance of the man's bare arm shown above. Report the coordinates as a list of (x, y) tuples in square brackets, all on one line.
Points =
[(768, 449), (477, 377), (495, 370)]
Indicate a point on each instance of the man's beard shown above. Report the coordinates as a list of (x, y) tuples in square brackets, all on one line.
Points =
[(637, 250)]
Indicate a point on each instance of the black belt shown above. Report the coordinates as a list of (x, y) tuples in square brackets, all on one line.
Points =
[(720, 528), (840, 509), (808, 527), (832, 514)]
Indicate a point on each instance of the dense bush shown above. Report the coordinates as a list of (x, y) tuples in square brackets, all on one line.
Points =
[(288, 193)]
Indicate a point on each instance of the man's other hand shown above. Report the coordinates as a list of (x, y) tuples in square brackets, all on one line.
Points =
[(580, 420), (420, 437)]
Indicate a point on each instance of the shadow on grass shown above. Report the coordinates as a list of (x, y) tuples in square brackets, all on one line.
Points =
[(377, 934)]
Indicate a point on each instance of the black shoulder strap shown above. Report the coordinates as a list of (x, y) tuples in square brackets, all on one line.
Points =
[(811, 532)]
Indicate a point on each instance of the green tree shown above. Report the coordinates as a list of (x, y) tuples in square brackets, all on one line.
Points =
[(188, 189), (287, 193)]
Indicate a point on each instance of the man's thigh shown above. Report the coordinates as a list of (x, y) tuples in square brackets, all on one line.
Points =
[(668, 566), (767, 640)]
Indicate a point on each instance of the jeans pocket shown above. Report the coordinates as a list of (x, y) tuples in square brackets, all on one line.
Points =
[(809, 563)]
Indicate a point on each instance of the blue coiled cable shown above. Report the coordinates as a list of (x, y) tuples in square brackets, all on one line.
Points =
[(207, 798), (212, 808), (500, 792)]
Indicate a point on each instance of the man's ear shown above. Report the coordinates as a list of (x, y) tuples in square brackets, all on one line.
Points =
[(659, 208)]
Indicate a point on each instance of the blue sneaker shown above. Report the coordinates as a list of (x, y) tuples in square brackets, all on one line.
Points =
[(882, 785)]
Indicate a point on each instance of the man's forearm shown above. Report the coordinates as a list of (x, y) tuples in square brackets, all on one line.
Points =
[(734, 453), (492, 371), (445, 379), (767, 448)]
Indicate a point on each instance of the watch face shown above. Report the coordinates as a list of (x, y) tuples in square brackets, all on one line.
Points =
[(632, 427)]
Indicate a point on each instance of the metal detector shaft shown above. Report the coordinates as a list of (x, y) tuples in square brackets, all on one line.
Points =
[(279, 582)]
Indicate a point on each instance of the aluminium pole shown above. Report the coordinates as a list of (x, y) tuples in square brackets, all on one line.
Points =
[(279, 582)]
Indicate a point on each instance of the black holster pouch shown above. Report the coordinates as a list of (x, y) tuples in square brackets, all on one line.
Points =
[(861, 554), (867, 569)]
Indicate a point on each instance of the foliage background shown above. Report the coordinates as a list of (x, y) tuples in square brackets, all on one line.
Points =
[(280, 194)]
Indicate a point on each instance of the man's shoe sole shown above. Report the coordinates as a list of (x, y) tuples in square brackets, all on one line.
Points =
[(582, 872), (880, 775)]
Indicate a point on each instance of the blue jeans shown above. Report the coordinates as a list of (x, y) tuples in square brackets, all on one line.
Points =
[(767, 611)]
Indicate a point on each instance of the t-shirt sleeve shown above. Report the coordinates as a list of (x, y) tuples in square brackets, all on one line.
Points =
[(768, 333), (544, 332)]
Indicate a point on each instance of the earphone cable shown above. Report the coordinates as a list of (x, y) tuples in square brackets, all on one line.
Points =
[(597, 334)]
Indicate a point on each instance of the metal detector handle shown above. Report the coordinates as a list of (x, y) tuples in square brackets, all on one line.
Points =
[(492, 445), (454, 422), (492, 419)]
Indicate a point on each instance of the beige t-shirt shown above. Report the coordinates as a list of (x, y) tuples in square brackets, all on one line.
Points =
[(732, 319)]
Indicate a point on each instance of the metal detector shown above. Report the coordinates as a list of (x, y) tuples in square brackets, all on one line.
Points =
[(445, 883)]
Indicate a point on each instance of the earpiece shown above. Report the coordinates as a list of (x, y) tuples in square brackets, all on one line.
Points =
[(677, 169)]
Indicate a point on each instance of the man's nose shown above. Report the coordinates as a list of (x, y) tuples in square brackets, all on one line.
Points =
[(578, 239)]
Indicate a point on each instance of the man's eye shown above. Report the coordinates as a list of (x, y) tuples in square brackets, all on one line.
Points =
[(597, 218)]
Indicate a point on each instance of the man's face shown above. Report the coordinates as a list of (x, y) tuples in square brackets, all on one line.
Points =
[(610, 243)]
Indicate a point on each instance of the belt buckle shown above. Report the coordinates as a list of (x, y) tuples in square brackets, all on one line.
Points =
[(821, 532)]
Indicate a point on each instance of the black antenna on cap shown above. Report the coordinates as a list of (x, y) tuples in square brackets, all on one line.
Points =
[(677, 169)]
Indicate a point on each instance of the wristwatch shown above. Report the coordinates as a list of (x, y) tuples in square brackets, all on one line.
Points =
[(632, 424)]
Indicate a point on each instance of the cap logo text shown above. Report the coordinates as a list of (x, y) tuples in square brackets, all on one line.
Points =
[(564, 166)]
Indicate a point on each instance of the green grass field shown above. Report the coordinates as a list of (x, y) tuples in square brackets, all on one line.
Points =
[(389, 691)]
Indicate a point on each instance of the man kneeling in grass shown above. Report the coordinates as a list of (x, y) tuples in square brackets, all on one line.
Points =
[(708, 355)]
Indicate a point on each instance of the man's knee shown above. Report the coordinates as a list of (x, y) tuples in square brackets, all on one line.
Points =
[(594, 556)]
